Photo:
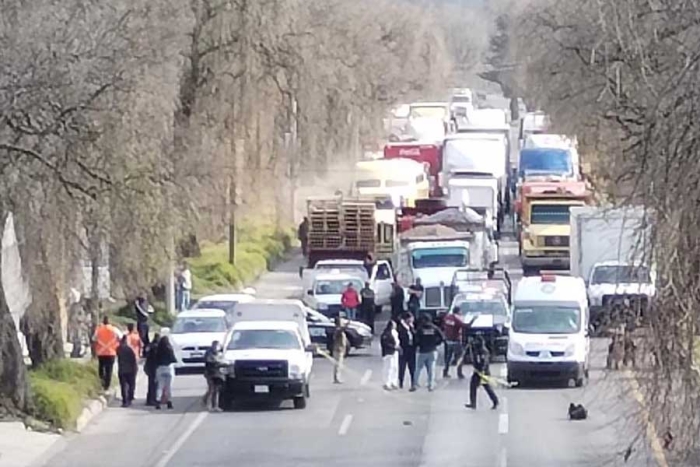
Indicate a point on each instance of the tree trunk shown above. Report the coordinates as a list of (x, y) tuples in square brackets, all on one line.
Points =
[(41, 324), (14, 390)]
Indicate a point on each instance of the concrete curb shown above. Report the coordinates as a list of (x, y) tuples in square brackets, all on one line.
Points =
[(93, 408)]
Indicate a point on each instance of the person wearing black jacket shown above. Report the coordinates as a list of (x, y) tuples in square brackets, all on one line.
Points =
[(428, 338), (128, 366), (407, 357), (390, 356), (480, 356), (149, 367), (397, 301), (165, 371)]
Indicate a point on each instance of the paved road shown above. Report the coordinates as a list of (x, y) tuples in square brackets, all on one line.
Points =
[(360, 424)]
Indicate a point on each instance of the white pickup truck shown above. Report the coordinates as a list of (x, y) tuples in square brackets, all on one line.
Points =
[(380, 281), (269, 353), (325, 293)]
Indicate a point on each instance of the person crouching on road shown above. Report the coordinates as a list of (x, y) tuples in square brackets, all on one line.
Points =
[(214, 364), (350, 301), (149, 367), (407, 356), (165, 372), (390, 356), (128, 366), (480, 357), (452, 327), (428, 339), (340, 346)]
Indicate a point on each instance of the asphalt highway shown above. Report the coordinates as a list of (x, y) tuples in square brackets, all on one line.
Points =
[(358, 423)]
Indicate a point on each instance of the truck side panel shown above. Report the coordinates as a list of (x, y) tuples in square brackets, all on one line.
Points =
[(599, 234)]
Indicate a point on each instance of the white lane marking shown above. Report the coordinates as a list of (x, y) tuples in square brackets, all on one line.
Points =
[(344, 427), (504, 405), (366, 377), (167, 455), (503, 424), (503, 458)]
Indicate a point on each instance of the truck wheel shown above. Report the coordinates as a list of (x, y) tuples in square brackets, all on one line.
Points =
[(300, 402)]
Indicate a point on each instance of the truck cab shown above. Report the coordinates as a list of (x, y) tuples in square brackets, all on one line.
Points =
[(544, 229), (381, 278), (548, 336), (326, 292), (269, 353), (425, 153)]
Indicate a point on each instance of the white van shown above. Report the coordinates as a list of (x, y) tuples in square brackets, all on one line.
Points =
[(549, 338)]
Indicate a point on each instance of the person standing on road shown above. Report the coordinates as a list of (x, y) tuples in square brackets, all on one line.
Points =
[(128, 366), (397, 300), (350, 300), (428, 339), (415, 292), (165, 372), (303, 236), (407, 356), (368, 306), (390, 356), (214, 364), (452, 327), (134, 340), (340, 347), (481, 373), (106, 341), (186, 286), (149, 367), (142, 310)]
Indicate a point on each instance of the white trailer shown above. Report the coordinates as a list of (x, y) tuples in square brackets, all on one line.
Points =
[(610, 251)]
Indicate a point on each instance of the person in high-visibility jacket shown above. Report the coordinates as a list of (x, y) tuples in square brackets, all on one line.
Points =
[(106, 341), (134, 340)]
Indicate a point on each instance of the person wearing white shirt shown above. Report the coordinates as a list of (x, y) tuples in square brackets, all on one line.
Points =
[(186, 286)]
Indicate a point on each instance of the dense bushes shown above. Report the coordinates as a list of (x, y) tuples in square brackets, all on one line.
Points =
[(258, 248), (59, 388)]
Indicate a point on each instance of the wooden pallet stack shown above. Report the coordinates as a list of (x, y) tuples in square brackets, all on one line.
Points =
[(343, 224)]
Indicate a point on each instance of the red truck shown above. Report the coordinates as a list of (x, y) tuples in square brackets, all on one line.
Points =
[(427, 153)]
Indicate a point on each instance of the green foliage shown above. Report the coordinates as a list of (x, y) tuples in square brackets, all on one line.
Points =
[(59, 388), (257, 250), (125, 315)]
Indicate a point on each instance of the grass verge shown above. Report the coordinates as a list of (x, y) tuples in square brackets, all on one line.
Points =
[(257, 250), (59, 388)]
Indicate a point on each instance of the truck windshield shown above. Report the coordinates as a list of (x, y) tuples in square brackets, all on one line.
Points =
[(428, 112), (546, 320), (335, 287), (621, 274), (368, 183), (263, 339), (449, 257), (550, 214), (192, 325), (546, 160), (485, 307)]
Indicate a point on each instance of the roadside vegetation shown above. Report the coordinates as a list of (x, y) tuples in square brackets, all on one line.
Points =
[(59, 390)]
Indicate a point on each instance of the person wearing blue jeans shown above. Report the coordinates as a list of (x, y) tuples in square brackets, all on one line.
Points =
[(428, 338)]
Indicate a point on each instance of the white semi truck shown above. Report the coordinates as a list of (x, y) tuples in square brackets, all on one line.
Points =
[(609, 250)]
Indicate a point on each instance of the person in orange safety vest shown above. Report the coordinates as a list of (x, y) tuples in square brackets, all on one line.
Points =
[(106, 341), (134, 340)]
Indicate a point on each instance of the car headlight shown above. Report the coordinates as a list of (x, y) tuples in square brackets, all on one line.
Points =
[(515, 348), (570, 350), (295, 372), (322, 306)]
